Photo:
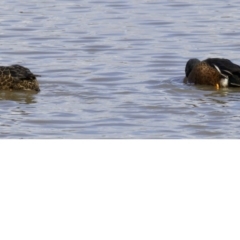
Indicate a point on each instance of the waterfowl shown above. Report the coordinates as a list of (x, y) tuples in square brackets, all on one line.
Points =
[(219, 72), (17, 77)]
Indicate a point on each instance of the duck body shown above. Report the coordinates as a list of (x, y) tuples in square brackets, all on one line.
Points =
[(219, 72), (17, 77)]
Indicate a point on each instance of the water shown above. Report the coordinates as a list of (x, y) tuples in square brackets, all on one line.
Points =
[(114, 69)]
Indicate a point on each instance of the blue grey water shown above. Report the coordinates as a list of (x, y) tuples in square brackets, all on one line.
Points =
[(114, 69)]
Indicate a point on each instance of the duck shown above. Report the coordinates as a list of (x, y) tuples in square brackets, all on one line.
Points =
[(17, 77), (218, 72)]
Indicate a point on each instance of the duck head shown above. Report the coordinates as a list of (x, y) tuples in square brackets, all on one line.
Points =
[(190, 65)]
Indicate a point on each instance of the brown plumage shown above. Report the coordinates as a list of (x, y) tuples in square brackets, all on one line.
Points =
[(218, 72), (204, 74), (17, 77)]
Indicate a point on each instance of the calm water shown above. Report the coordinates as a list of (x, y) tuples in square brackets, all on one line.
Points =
[(114, 69)]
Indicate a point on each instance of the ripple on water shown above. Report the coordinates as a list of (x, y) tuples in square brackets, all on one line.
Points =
[(115, 69)]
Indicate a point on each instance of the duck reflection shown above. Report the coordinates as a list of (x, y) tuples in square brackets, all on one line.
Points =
[(27, 97)]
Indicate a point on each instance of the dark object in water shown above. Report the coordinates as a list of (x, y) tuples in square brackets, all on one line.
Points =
[(219, 72), (17, 77)]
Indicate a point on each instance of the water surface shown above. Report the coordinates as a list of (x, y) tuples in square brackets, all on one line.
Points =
[(114, 69)]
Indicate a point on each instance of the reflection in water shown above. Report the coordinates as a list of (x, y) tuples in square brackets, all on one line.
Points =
[(224, 96), (27, 97)]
